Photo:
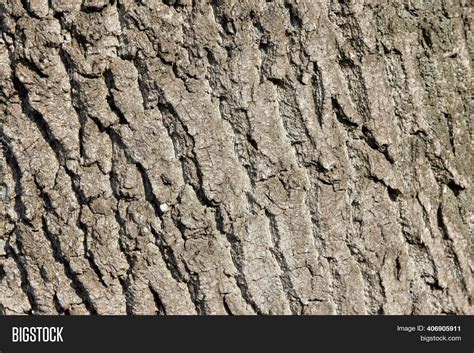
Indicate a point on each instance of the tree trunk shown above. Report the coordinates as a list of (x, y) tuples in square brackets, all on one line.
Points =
[(235, 157)]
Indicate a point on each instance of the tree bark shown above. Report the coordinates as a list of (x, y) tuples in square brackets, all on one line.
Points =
[(236, 157)]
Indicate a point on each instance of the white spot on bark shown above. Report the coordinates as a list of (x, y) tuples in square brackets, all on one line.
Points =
[(164, 207)]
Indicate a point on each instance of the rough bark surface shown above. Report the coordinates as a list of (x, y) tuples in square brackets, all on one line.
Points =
[(235, 157)]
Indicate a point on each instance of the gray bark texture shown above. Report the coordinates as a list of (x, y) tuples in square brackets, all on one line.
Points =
[(236, 157)]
